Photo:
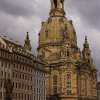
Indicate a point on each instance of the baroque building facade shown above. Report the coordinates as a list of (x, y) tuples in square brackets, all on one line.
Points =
[(72, 74), (18, 72)]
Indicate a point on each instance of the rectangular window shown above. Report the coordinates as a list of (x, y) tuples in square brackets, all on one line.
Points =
[(55, 83), (68, 92)]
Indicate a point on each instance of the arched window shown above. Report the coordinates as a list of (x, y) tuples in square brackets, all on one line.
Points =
[(69, 86), (68, 53), (55, 3), (61, 1), (55, 84), (46, 32), (84, 85)]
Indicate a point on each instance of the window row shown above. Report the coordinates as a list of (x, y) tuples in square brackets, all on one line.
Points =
[(39, 74), (22, 96), (22, 59), (5, 54), (40, 90), (23, 86), (22, 68), (40, 82), (4, 75), (17, 75), (39, 97), (5, 64), (19, 58)]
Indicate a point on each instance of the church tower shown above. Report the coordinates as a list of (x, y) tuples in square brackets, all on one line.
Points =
[(63, 59), (86, 51), (27, 44)]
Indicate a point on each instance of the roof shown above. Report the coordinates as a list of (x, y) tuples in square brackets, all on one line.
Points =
[(13, 46)]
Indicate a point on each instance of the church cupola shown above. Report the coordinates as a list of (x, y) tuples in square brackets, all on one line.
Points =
[(86, 53), (57, 8), (27, 44)]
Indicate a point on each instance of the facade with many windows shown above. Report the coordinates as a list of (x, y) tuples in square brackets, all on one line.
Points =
[(39, 83), (20, 67)]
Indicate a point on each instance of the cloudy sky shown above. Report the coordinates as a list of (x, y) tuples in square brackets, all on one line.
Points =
[(19, 16)]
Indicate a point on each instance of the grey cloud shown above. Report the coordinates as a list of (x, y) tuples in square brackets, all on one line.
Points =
[(88, 10), (17, 7), (42, 8)]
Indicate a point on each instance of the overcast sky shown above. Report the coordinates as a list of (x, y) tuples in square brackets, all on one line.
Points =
[(19, 16)]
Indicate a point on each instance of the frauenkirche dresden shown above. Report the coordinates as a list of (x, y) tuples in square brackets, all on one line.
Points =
[(60, 71), (72, 74)]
